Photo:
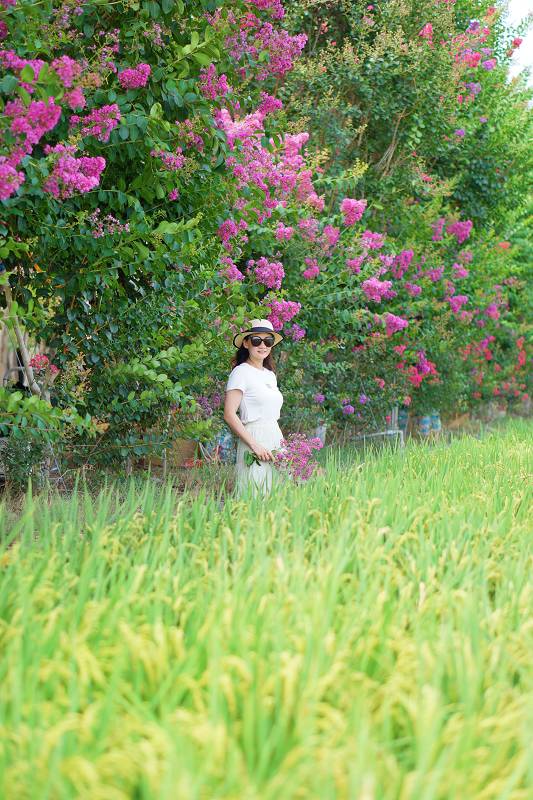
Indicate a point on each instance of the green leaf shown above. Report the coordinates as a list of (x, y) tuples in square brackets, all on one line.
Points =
[(27, 75), (202, 58)]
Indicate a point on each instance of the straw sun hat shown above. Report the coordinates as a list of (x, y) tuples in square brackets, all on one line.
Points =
[(258, 326)]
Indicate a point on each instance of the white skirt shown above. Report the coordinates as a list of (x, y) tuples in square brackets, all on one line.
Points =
[(258, 477)]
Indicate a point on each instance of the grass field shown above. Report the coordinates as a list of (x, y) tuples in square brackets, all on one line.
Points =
[(368, 636)]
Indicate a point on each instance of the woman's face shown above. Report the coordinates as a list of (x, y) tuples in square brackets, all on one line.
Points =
[(261, 351)]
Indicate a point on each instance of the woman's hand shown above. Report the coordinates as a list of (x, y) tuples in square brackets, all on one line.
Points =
[(262, 453)]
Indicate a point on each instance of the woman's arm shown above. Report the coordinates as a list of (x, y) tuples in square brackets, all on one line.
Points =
[(232, 402)]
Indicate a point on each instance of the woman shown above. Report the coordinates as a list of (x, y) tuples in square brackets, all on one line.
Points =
[(252, 390)]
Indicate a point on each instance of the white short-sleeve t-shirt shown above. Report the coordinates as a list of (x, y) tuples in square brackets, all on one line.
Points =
[(261, 398)]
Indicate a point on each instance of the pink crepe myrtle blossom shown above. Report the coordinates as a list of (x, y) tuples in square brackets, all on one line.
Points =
[(309, 228), (295, 332), (269, 104), (402, 263), (354, 264), (268, 273), (380, 382), (412, 289), (393, 324), (434, 274), (438, 227), (461, 230), (170, 161), (330, 236), (492, 311), (459, 271), (136, 77), (295, 456), (282, 311), (377, 290), (352, 210), (457, 301), (230, 271), (30, 123), (283, 232), (72, 175), (99, 123), (67, 69), (75, 99), (105, 226), (10, 179), (40, 363), (372, 241), (312, 269), (211, 84), (426, 32)]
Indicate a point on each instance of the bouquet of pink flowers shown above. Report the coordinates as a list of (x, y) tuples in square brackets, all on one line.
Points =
[(294, 457)]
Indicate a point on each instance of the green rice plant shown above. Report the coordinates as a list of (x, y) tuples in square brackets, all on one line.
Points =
[(364, 636)]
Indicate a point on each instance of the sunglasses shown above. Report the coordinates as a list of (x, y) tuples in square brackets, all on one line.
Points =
[(268, 341)]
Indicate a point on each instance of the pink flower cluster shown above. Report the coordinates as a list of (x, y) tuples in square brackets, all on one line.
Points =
[(136, 77), (461, 230), (412, 289), (10, 60), (394, 324), (70, 174), (105, 226), (372, 241), (67, 70), (295, 332), (211, 85), (312, 269), (230, 271), (352, 210), (283, 232), (282, 311), (99, 123), (275, 173), (170, 161), (191, 137), (40, 363), (457, 301), (330, 237), (230, 230), (268, 273), (438, 227), (401, 263), (255, 37), (354, 264), (377, 290), (296, 456), (28, 125), (426, 32), (10, 179)]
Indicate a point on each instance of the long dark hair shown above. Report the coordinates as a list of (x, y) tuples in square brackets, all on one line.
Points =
[(242, 356)]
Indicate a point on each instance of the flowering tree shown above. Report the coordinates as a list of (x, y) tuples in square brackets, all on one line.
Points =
[(159, 188)]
